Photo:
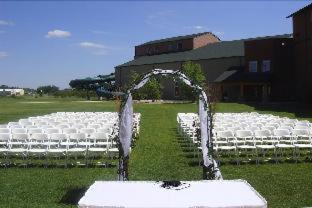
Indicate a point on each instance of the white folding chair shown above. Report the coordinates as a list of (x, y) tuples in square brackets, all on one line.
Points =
[(18, 147), (38, 147), (5, 130), (4, 147), (18, 131)]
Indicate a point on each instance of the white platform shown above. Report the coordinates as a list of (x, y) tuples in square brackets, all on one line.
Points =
[(203, 194)]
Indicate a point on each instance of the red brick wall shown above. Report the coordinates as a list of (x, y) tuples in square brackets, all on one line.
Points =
[(302, 30), (187, 44), (280, 53), (203, 40), (161, 48)]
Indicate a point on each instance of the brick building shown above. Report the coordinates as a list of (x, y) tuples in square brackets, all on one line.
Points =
[(302, 32), (224, 63), (274, 68)]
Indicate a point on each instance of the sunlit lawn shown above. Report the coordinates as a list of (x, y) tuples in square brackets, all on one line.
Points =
[(158, 154)]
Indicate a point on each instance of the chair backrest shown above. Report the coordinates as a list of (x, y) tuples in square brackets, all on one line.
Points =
[(302, 127), (281, 132), (18, 126), (99, 136), (69, 130), (51, 131), (78, 126), (58, 137), (5, 137), (20, 137), (303, 123), (225, 134), (39, 137), (252, 128), (77, 136), (262, 133), (301, 132), (5, 130), (13, 124), (87, 131), (244, 133), (62, 126), (94, 126), (289, 128), (19, 131), (104, 130), (25, 123), (271, 128), (34, 130)]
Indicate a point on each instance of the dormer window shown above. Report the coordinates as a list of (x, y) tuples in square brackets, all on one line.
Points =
[(253, 66), (170, 48), (179, 46)]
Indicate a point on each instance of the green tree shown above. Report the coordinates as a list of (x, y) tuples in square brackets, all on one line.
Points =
[(47, 90), (151, 90), (194, 72)]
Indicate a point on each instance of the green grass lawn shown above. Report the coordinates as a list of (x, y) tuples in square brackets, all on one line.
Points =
[(159, 154)]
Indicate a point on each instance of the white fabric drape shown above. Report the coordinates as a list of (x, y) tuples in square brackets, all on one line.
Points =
[(203, 118), (125, 131)]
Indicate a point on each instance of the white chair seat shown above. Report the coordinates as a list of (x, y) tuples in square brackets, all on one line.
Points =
[(76, 149), (246, 147), (68, 143), (265, 146), (37, 151), (97, 149), (56, 150), (3, 150), (85, 143), (18, 150), (303, 145), (226, 148), (113, 150), (285, 146)]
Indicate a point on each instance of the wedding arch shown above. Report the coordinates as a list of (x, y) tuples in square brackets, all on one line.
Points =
[(210, 167)]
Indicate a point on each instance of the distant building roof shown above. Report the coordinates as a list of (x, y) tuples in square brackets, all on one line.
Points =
[(177, 38), (300, 10), (241, 76), (221, 49)]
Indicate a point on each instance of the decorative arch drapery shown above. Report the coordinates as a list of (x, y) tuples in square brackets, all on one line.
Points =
[(210, 167)]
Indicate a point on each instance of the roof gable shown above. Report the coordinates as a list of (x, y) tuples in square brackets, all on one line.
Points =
[(176, 38)]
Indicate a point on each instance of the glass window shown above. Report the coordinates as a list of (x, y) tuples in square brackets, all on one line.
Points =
[(169, 47), (266, 65), (253, 66), (179, 46), (176, 89)]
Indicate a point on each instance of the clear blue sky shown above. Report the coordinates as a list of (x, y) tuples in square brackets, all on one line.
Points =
[(53, 42)]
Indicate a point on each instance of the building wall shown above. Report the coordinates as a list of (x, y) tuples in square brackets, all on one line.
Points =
[(203, 40), (212, 69), (163, 47), (279, 51), (302, 30)]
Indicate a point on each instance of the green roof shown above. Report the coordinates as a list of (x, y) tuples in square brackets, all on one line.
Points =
[(221, 49), (183, 37)]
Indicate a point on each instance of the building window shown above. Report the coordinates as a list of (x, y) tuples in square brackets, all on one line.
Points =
[(253, 66), (266, 65), (176, 89), (179, 46), (170, 47)]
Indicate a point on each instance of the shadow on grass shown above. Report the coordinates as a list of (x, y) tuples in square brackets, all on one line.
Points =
[(73, 195), (300, 110)]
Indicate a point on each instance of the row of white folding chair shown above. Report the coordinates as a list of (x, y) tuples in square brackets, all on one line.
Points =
[(264, 136), (23, 142), (56, 130)]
